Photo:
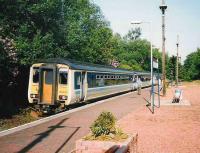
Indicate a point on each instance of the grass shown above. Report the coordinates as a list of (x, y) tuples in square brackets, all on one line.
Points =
[(196, 82), (22, 118)]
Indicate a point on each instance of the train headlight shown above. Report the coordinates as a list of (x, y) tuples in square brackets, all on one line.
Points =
[(34, 95), (62, 97)]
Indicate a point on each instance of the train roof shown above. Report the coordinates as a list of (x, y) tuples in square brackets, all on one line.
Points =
[(77, 65), (142, 72)]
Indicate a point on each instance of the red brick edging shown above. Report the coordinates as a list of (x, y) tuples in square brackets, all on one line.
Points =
[(128, 146)]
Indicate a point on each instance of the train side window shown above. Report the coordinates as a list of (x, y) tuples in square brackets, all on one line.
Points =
[(35, 75), (92, 78), (63, 77), (77, 80), (48, 76)]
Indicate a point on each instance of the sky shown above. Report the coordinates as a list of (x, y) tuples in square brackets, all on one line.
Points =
[(182, 18)]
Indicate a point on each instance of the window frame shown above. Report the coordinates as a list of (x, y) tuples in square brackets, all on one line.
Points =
[(48, 76), (59, 77), (34, 70), (77, 86)]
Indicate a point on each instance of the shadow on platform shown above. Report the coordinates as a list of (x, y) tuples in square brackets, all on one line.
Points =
[(46, 134), (76, 130)]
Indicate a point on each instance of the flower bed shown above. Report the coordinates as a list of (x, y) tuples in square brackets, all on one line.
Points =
[(129, 145), (105, 137)]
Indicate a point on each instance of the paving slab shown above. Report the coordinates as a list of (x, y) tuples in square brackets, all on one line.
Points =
[(171, 103)]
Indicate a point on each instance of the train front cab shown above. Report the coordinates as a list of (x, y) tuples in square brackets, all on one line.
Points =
[(48, 87)]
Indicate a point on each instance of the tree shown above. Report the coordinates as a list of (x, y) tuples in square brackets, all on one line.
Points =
[(192, 66), (171, 68), (33, 30), (132, 54), (133, 34), (46, 29)]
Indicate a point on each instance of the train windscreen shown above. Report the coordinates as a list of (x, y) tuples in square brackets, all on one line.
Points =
[(35, 75)]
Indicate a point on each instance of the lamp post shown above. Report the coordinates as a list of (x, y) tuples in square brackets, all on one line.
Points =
[(177, 60), (163, 8), (151, 47)]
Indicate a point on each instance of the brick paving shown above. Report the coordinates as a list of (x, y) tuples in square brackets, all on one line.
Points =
[(59, 135), (172, 129)]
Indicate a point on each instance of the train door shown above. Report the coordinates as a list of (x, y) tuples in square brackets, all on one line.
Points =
[(47, 85), (62, 85), (83, 85), (80, 85)]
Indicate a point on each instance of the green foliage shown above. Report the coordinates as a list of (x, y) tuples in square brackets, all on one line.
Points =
[(133, 54), (125, 66), (133, 34), (23, 117), (48, 29), (192, 66), (103, 125), (171, 68), (69, 29)]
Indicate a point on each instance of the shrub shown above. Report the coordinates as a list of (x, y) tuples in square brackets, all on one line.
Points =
[(104, 124)]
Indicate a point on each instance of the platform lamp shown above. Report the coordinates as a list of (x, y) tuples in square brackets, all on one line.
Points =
[(163, 8), (151, 47)]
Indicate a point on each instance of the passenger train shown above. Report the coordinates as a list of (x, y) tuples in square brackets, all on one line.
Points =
[(57, 83)]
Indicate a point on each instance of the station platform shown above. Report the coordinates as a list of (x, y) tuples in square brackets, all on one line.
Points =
[(173, 128), (59, 134)]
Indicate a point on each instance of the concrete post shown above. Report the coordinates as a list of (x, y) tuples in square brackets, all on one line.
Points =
[(163, 7)]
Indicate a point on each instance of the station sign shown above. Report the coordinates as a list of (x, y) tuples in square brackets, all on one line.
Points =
[(155, 63)]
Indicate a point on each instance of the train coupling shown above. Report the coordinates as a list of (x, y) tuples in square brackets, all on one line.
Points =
[(41, 110), (46, 109)]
